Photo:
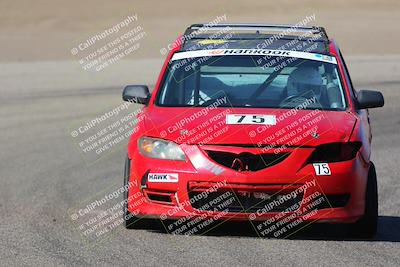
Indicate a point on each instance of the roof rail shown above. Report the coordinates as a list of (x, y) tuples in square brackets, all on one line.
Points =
[(261, 27)]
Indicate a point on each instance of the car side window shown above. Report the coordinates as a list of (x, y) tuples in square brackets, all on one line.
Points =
[(348, 78)]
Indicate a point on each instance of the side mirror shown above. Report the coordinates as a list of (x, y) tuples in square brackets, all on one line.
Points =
[(370, 99), (136, 93)]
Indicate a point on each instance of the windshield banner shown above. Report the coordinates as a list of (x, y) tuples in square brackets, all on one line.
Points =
[(253, 52)]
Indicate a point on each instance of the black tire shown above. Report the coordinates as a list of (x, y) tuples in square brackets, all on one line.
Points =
[(128, 218), (366, 227)]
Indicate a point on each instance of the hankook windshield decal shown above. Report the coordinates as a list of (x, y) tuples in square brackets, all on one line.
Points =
[(253, 52)]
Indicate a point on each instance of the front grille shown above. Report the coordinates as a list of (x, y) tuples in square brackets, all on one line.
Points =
[(246, 161), (245, 201)]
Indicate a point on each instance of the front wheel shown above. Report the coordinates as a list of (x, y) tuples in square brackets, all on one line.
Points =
[(366, 226)]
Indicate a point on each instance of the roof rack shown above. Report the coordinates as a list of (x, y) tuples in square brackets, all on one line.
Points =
[(261, 27)]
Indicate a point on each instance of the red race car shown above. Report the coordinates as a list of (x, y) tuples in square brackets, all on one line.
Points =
[(252, 122)]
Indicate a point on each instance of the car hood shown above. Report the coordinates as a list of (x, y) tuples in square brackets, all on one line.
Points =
[(209, 126)]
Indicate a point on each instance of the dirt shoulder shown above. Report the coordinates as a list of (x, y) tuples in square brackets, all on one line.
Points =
[(48, 29)]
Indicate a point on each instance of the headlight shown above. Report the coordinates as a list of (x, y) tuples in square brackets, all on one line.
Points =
[(335, 152), (160, 149)]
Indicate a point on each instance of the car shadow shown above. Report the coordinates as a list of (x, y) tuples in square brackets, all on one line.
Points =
[(388, 231)]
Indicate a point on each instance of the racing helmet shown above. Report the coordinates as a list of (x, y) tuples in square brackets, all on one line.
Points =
[(305, 80)]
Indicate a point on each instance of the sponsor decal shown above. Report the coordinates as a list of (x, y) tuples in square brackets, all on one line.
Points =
[(163, 177), (257, 52), (212, 41), (322, 169), (250, 119), (314, 134), (216, 52), (253, 52)]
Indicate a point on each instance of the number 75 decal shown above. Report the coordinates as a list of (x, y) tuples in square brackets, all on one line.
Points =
[(322, 169), (250, 119)]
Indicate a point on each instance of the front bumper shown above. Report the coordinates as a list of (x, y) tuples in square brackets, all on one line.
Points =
[(250, 194)]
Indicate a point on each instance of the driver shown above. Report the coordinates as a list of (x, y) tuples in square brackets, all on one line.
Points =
[(305, 82)]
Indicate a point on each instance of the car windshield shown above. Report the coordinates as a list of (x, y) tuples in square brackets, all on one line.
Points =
[(252, 81)]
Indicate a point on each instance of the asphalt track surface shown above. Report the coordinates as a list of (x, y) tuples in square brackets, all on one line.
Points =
[(42, 176)]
